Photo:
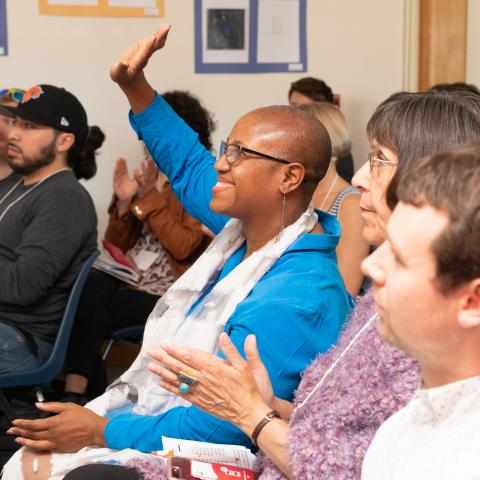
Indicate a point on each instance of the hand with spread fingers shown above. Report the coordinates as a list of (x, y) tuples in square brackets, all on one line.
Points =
[(230, 389), (132, 62), (127, 71), (72, 428)]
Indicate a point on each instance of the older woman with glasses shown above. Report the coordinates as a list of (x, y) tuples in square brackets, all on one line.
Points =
[(346, 394), (271, 271)]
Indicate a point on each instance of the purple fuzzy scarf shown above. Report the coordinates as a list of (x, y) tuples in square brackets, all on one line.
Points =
[(331, 433)]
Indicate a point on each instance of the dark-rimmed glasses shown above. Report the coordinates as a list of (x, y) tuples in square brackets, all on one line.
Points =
[(373, 161), (232, 152)]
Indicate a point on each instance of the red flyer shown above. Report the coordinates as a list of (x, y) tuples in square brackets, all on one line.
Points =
[(187, 469)]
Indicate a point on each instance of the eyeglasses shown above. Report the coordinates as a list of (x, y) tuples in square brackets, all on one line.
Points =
[(232, 152), (14, 94), (374, 161)]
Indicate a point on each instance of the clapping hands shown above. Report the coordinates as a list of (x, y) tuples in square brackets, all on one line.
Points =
[(230, 389)]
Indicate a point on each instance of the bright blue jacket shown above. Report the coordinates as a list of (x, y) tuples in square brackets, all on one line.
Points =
[(296, 309)]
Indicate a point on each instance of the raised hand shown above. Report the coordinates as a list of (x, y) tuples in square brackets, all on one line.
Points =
[(124, 186), (131, 63), (146, 176)]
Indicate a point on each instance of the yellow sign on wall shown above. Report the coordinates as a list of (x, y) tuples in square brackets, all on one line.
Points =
[(103, 8)]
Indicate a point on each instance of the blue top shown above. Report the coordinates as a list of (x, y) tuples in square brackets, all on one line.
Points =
[(296, 309)]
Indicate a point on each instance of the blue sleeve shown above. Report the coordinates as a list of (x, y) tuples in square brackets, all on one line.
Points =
[(310, 330), (175, 148), (144, 433)]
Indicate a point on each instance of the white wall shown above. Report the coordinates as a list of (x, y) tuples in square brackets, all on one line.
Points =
[(356, 46)]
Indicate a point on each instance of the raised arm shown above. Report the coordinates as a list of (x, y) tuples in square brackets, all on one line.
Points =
[(173, 145)]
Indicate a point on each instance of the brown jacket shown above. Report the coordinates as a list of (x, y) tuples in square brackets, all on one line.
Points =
[(178, 232)]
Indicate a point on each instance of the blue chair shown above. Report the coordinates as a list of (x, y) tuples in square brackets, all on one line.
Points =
[(126, 334), (52, 367)]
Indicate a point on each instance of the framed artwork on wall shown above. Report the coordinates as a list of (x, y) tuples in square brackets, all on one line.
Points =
[(250, 36)]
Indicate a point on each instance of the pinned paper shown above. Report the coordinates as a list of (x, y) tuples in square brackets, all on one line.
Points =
[(103, 8)]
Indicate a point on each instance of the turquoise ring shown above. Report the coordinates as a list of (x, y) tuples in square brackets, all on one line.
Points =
[(184, 388)]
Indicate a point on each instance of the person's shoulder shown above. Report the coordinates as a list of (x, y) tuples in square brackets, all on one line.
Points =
[(64, 184), (64, 193)]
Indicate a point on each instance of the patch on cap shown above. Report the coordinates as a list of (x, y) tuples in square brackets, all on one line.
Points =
[(32, 93), (64, 122)]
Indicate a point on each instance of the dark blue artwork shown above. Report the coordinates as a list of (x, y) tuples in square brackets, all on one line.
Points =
[(227, 31), (3, 28)]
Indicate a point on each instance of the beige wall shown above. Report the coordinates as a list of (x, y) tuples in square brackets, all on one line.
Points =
[(473, 43), (356, 46)]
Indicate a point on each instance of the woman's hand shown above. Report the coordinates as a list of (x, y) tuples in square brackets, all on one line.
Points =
[(161, 182), (146, 176), (233, 389), (73, 428), (125, 187), (129, 67)]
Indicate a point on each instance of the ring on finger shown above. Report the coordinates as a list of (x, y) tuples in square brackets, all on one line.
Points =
[(184, 388), (186, 378)]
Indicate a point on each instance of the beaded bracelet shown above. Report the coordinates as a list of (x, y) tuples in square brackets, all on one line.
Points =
[(266, 419)]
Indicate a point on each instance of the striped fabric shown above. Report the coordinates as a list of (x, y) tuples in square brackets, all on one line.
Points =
[(347, 191)]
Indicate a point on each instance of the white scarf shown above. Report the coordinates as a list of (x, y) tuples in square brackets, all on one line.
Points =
[(170, 323)]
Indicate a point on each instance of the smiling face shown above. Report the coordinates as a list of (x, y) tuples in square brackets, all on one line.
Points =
[(252, 185), (373, 186), (414, 314)]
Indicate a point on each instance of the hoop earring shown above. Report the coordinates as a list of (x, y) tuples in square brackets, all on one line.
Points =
[(282, 220)]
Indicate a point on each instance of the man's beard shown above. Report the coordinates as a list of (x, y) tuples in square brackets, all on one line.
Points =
[(32, 164)]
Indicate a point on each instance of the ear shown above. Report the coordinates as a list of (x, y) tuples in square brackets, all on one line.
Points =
[(469, 314), (292, 178), (65, 142)]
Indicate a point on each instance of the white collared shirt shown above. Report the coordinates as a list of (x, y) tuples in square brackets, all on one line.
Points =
[(435, 436)]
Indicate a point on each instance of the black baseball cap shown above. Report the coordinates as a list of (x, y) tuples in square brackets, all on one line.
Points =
[(54, 107)]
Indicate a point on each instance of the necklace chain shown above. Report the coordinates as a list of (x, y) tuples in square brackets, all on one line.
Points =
[(334, 364), (25, 193), (329, 191)]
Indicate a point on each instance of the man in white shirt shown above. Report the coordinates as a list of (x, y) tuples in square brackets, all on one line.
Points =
[(427, 290)]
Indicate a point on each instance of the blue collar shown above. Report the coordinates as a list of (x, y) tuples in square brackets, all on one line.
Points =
[(319, 241)]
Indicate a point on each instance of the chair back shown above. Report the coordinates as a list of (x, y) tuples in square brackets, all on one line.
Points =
[(52, 367)]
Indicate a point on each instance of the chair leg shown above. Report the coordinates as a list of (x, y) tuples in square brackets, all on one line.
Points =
[(107, 350)]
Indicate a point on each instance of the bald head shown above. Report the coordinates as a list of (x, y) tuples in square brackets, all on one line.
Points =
[(294, 135)]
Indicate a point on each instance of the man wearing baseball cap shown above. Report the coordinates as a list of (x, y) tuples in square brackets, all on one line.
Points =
[(47, 220), (9, 97)]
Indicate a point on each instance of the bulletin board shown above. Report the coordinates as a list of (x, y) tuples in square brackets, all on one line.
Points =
[(250, 36), (103, 8), (3, 28)]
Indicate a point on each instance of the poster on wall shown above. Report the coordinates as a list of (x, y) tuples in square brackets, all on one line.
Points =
[(250, 36), (3, 28), (103, 8)]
